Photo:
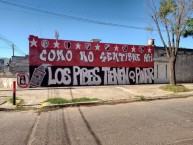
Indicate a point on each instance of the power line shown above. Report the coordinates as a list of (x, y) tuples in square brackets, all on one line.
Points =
[(61, 8), (5, 47), (11, 44), (37, 4), (71, 17)]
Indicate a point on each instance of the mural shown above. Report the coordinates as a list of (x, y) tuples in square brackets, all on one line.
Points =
[(56, 63)]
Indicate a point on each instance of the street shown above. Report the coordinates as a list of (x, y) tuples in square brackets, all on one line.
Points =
[(159, 122)]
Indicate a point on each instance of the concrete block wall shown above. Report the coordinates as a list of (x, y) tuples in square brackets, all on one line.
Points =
[(184, 66), (7, 82), (7, 74), (161, 66), (19, 64), (161, 72)]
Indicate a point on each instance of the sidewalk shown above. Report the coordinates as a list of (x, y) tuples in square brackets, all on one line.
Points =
[(107, 94)]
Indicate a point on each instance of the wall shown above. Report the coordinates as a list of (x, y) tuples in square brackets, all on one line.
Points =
[(184, 66), (161, 66), (78, 63), (19, 64), (161, 72), (7, 73), (3, 66), (7, 82)]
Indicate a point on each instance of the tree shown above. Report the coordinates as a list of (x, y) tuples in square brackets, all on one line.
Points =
[(189, 29), (170, 17)]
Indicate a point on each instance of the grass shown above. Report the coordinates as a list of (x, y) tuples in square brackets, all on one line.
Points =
[(63, 101), (11, 100), (57, 101), (21, 101), (19, 105), (84, 99), (140, 96), (23, 108), (3, 96), (175, 88)]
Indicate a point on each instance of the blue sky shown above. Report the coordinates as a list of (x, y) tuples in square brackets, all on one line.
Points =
[(43, 17)]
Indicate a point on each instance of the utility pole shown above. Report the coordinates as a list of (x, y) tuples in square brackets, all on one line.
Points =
[(13, 49)]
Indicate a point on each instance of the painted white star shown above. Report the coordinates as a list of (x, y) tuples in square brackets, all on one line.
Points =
[(97, 47), (116, 48), (78, 46), (149, 50), (33, 43), (133, 49), (56, 44)]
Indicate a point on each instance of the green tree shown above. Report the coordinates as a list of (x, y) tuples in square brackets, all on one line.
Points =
[(171, 18), (189, 29)]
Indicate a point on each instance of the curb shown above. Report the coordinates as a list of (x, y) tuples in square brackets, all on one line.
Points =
[(105, 102), (9, 106), (91, 103), (6, 109), (118, 101), (2, 102)]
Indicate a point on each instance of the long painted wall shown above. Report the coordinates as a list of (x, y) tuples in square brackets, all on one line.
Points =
[(184, 67)]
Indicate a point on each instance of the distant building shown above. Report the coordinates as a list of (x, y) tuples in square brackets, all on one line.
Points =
[(19, 64), (4, 67)]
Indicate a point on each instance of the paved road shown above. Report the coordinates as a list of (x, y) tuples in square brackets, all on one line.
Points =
[(141, 123)]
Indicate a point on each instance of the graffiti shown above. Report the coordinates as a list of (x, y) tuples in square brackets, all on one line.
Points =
[(148, 58), (65, 77), (38, 75), (55, 55), (45, 43), (119, 57), (22, 80), (85, 76), (88, 63), (86, 57)]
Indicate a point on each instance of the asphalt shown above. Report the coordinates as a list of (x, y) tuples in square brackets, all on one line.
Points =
[(105, 94)]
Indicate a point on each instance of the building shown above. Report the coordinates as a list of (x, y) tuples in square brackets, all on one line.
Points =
[(184, 66), (4, 67), (19, 64)]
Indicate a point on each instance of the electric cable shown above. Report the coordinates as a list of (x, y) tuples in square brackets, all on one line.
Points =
[(71, 17)]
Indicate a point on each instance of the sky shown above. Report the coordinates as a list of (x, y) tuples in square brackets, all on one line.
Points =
[(112, 21)]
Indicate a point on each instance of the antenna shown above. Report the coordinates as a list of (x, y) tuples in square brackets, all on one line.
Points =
[(56, 35)]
